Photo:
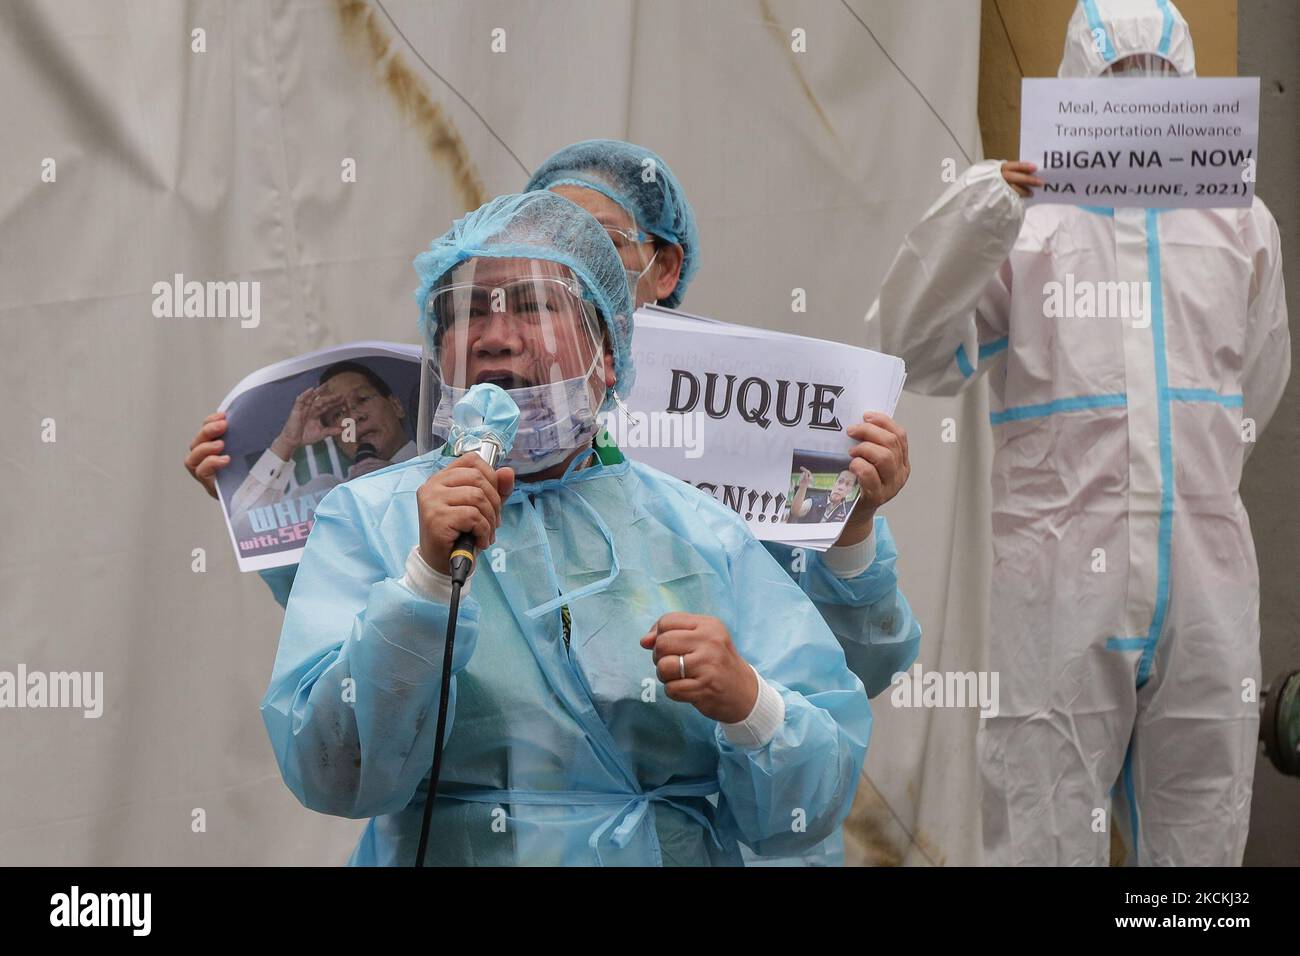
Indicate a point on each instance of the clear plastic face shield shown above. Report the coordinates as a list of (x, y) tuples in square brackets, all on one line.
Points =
[(1141, 65), (524, 325)]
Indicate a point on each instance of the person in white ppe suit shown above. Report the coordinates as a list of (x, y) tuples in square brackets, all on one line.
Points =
[(1125, 605)]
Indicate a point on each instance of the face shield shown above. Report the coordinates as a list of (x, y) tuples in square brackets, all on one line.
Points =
[(522, 324), (1141, 65)]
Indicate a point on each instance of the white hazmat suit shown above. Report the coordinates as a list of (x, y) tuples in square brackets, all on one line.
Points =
[(1125, 605)]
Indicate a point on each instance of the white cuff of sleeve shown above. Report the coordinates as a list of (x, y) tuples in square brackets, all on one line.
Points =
[(763, 721), (850, 560), (269, 468), (426, 582)]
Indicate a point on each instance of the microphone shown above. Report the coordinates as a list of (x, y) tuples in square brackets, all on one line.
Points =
[(485, 421), (364, 451)]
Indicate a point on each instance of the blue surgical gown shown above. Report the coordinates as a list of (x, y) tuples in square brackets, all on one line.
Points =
[(874, 624), (558, 752), (867, 613)]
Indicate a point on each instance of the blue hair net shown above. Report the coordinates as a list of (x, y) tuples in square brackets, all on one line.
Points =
[(620, 171), (540, 225)]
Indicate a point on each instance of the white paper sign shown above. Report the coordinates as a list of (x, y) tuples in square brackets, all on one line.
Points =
[(758, 410), (268, 517), (1155, 143), (746, 410)]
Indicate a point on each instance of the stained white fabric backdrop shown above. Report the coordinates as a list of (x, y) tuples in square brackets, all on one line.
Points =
[(805, 170)]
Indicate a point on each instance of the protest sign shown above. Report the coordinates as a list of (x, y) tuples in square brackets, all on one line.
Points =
[(746, 415), (298, 428), (733, 409), (1155, 143)]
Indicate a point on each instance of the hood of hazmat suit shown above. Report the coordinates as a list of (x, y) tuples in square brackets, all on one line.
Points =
[(1103, 32), (1133, 357), (562, 748)]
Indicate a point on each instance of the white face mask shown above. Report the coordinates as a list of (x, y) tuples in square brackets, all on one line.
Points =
[(554, 419), (634, 277)]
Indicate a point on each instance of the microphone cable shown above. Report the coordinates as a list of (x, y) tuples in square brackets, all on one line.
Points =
[(452, 609)]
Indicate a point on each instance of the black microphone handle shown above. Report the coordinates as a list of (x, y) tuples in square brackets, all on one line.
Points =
[(462, 557)]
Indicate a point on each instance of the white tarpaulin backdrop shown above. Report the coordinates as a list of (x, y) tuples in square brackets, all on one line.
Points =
[(805, 169)]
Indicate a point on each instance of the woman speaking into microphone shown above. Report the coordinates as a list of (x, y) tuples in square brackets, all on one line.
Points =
[(635, 680)]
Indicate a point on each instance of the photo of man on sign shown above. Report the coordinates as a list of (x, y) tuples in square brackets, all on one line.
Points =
[(823, 488), (297, 430)]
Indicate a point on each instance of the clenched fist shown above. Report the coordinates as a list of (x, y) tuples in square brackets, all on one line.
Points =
[(464, 496), (718, 682)]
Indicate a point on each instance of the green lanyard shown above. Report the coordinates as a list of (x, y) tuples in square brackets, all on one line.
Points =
[(567, 621), (607, 453)]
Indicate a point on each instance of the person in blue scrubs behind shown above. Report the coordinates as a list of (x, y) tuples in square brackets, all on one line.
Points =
[(641, 204)]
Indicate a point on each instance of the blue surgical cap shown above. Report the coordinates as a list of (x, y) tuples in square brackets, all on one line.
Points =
[(641, 183), (540, 225)]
